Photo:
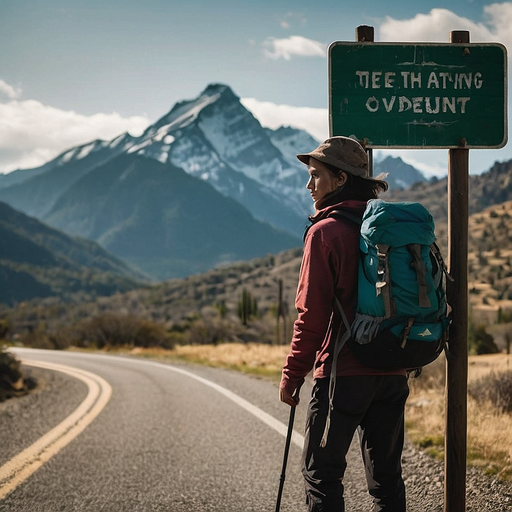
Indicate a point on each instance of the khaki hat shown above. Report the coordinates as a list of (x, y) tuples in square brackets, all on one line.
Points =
[(343, 153)]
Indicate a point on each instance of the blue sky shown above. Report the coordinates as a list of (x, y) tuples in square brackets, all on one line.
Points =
[(74, 71)]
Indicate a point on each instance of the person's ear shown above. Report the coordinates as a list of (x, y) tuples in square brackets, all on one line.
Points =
[(342, 179)]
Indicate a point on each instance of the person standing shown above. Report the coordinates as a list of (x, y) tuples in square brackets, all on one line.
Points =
[(370, 401)]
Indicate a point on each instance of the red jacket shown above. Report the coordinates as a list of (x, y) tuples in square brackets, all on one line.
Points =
[(329, 266)]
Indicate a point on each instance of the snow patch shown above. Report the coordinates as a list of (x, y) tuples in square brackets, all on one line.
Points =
[(164, 154), (117, 141), (67, 156), (139, 147), (85, 151)]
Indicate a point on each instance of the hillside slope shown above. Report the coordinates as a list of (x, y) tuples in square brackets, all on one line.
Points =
[(39, 261)]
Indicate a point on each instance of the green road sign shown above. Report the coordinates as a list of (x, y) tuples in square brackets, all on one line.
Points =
[(419, 95)]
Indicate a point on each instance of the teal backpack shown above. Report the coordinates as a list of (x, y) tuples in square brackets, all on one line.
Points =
[(402, 316)]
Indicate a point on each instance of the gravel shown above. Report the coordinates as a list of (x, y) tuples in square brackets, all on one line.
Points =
[(425, 486)]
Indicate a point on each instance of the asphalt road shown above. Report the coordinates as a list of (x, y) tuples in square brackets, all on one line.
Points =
[(171, 437)]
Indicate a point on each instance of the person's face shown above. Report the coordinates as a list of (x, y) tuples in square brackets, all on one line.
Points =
[(322, 181)]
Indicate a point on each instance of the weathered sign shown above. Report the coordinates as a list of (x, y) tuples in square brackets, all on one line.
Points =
[(419, 95)]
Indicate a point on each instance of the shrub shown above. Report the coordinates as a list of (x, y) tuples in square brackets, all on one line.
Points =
[(208, 331), (480, 341), (496, 387), (9, 367), (5, 328), (12, 382), (109, 329)]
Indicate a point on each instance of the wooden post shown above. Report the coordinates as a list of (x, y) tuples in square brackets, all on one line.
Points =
[(366, 33), (457, 353)]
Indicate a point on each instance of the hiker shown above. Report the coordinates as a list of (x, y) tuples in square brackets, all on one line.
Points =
[(368, 400)]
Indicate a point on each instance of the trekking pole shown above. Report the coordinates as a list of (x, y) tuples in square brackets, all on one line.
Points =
[(285, 458)]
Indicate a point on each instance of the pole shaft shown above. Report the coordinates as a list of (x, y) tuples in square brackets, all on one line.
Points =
[(365, 33), (285, 457), (457, 353)]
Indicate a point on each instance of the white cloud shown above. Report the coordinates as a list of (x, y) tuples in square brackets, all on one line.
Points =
[(436, 26), (292, 18), (299, 46), (313, 120), (32, 133), (438, 23), (8, 91)]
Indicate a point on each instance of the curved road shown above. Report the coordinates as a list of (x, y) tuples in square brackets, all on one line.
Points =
[(164, 437)]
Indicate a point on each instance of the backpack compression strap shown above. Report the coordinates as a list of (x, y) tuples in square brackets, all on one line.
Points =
[(383, 285), (421, 274)]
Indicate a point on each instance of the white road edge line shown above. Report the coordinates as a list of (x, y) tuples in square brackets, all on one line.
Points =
[(20, 467), (278, 426), (269, 420)]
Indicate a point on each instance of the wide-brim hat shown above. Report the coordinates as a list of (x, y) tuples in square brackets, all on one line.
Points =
[(341, 152)]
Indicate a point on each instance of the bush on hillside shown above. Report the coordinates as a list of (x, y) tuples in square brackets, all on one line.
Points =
[(480, 341), (5, 328), (12, 382), (104, 330), (109, 329), (496, 387)]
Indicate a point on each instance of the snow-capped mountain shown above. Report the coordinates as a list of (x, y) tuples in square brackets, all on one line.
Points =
[(216, 141), (213, 138)]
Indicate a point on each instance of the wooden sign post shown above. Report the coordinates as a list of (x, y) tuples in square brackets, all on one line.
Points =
[(457, 352), (426, 96)]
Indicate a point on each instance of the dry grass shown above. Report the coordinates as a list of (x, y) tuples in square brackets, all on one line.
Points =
[(489, 432), (253, 358)]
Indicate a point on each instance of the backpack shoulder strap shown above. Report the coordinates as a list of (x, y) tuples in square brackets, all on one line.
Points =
[(337, 214), (347, 215), (338, 345)]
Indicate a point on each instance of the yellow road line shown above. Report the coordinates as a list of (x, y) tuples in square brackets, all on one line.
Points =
[(20, 467)]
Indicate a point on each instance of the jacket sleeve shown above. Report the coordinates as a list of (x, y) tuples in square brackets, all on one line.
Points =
[(314, 303)]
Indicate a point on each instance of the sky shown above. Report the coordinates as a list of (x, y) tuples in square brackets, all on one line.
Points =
[(74, 71)]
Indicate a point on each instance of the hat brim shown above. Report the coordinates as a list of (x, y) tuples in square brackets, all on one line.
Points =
[(304, 158)]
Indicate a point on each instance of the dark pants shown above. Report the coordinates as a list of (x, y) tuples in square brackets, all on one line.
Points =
[(374, 405)]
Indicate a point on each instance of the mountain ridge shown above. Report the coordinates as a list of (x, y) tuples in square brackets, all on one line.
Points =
[(39, 261), (212, 138), (161, 219)]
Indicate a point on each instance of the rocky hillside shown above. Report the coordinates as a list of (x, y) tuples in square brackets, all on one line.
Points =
[(179, 301), (490, 262), (490, 188)]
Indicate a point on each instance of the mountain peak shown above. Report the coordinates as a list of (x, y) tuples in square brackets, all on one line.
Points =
[(218, 88), (400, 175), (185, 112)]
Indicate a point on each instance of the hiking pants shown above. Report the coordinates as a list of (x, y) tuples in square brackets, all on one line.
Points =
[(373, 405)]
